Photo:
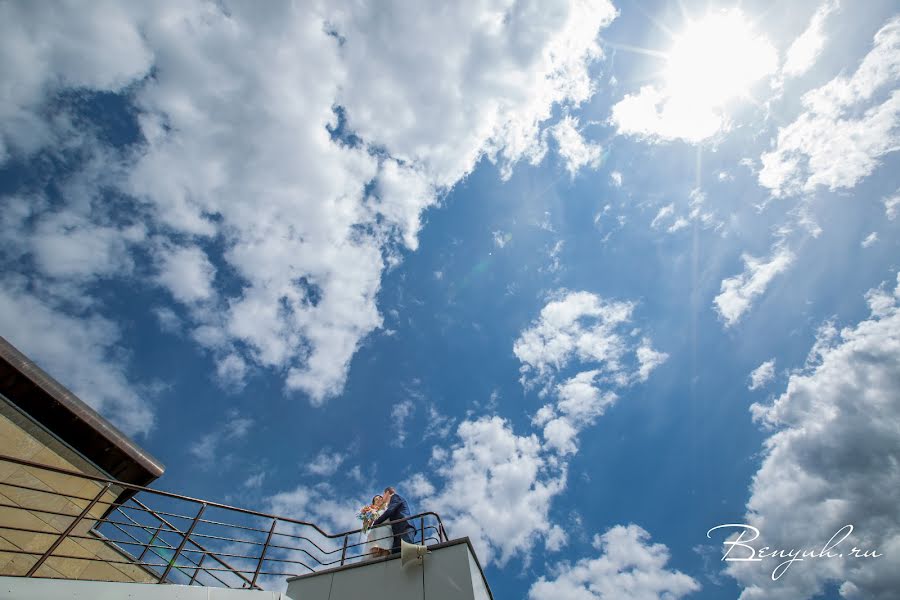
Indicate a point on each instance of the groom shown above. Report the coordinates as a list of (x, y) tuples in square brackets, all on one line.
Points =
[(397, 508)]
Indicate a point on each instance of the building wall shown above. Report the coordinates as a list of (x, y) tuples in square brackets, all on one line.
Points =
[(21, 437), (449, 572)]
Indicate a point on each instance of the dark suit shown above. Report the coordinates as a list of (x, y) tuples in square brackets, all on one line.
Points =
[(396, 509)]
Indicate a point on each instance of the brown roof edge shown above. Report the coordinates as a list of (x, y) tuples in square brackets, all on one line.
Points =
[(38, 394)]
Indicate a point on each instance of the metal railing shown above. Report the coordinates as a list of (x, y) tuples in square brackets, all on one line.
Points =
[(187, 540)]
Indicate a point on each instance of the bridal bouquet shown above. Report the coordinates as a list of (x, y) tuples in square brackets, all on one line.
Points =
[(367, 515)]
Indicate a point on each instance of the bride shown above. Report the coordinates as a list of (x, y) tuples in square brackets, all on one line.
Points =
[(379, 539)]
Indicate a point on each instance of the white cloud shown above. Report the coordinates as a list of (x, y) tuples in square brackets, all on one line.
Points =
[(501, 238), (584, 328), (739, 292), (553, 254), (805, 50), (70, 48), (892, 207), (168, 320), (231, 371), (762, 375), (654, 115), (664, 213), (255, 481), (438, 425), (208, 448), (492, 477), (81, 351), (69, 245), (713, 61), (577, 325), (628, 566), (648, 359), (325, 463), (418, 486), (320, 504), (870, 239), (831, 460), (696, 214), (616, 178), (186, 272), (400, 413), (556, 539), (841, 137), (679, 224), (312, 174), (573, 148), (578, 405)]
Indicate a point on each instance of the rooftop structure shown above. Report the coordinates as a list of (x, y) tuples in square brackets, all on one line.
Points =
[(78, 520)]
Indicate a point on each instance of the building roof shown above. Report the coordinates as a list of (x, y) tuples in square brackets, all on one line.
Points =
[(67, 417)]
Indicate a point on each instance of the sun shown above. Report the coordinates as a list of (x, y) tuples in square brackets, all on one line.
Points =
[(717, 59)]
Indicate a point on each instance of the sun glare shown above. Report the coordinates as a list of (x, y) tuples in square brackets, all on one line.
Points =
[(717, 59)]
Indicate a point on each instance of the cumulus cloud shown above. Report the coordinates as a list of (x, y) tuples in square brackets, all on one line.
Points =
[(869, 240), (628, 566), (49, 48), (892, 206), (841, 135), (231, 371), (805, 50), (208, 448), (80, 351), (615, 178), (491, 477), (255, 481), (313, 175), (653, 114), (578, 405), (577, 325), (168, 320), (648, 359), (573, 148), (186, 272), (739, 292), (831, 460), (400, 413), (325, 463), (594, 334), (762, 375)]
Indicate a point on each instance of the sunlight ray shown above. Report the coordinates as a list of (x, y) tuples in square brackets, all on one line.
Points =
[(655, 21), (637, 49)]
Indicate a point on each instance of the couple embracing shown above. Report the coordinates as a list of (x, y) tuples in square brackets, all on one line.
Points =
[(380, 523)]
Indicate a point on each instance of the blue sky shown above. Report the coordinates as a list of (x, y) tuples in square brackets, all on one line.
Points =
[(587, 279)]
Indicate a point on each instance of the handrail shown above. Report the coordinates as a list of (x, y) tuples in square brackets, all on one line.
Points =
[(210, 504), (280, 541)]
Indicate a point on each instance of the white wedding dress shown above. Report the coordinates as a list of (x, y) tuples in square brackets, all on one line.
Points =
[(379, 537)]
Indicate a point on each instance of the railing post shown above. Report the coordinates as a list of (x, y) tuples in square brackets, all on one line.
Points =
[(344, 550), (147, 547), (197, 570), (262, 555), (66, 533), (184, 540), (422, 523)]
